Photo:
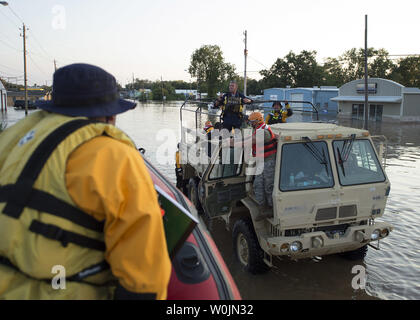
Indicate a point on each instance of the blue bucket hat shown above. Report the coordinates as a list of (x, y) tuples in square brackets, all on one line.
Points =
[(85, 90)]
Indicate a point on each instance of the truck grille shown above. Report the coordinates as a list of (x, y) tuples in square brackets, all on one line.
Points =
[(348, 211), (326, 214), (275, 232)]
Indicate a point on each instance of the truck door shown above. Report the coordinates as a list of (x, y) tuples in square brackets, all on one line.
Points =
[(223, 182)]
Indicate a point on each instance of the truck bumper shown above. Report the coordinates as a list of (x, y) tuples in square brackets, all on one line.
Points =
[(318, 243)]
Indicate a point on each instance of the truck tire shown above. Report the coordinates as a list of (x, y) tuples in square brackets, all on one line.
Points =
[(246, 247), (357, 254)]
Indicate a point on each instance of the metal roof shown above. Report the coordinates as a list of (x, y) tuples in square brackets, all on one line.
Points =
[(312, 129), (386, 99)]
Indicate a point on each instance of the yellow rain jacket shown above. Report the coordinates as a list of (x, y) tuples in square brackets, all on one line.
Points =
[(77, 195)]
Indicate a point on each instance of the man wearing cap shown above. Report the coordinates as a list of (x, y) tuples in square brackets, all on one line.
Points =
[(231, 104), (79, 216)]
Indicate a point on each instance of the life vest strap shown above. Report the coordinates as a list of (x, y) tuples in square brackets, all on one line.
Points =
[(23, 186), (65, 237), (78, 277), (45, 202)]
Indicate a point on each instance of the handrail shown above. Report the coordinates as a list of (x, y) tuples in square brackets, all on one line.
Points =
[(254, 102), (290, 101)]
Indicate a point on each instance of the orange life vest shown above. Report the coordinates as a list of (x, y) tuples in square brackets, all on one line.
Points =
[(270, 147)]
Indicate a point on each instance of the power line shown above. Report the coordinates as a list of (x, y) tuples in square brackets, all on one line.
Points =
[(257, 62), (42, 48), (13, 69), (9, 75), (8, 45), (15, 14), (8, 18), (36, 65)]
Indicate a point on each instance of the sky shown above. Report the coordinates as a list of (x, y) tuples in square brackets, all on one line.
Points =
[(155, 39)]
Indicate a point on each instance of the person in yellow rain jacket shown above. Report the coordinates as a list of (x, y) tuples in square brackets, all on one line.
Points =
[(279, 115), (79, 215)]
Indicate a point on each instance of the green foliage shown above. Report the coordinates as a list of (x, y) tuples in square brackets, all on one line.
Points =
[(351, 66), (407, 72), (302, 70), (295, 70), (164, 88), (208, 66)]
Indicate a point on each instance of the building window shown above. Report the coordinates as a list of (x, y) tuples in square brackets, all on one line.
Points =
[(375, 112)]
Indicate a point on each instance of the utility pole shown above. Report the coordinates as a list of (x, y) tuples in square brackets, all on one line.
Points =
[(366, 78), (55, 65), (246, 55), (24, 69)]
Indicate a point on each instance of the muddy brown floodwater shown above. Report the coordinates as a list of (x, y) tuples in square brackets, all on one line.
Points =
[(393, 272)]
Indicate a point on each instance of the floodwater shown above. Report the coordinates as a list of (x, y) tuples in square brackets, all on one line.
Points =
[(393, 272)]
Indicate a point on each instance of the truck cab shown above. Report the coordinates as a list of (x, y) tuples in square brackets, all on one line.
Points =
[(330, 186)]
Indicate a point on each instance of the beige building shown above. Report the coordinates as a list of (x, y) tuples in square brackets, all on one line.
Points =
[(388, 100)]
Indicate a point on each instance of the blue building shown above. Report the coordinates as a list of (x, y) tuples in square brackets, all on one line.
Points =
[(320, 97)]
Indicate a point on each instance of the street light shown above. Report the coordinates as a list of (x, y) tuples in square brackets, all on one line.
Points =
[(4, 3)]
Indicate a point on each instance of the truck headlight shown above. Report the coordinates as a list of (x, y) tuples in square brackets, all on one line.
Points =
[(317, 242), (359, 236), (284, 247), (295, 246), (375, 234), (384, 233)]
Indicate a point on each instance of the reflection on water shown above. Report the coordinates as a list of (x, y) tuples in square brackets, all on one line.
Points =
[(392, 272)]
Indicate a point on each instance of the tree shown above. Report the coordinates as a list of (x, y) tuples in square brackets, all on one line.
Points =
[(351, 66), (407, 72), (208, 66), (295, 70), (160, 89)]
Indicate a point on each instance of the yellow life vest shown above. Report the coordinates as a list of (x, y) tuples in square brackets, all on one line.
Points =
[(40, 225), (233, 104), (209, 129)]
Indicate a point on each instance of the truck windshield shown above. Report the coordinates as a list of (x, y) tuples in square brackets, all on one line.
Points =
[(302, 170), (361, 165)]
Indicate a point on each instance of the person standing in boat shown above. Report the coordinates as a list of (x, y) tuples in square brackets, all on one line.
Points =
[(279, 114), (79, 214), (232, 105)]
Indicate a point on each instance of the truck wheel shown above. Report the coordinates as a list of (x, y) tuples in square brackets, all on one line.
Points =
[(246, 247), (193, 194), (357, 254)]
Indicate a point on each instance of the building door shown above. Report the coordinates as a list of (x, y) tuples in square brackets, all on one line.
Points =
[(375, 112)]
